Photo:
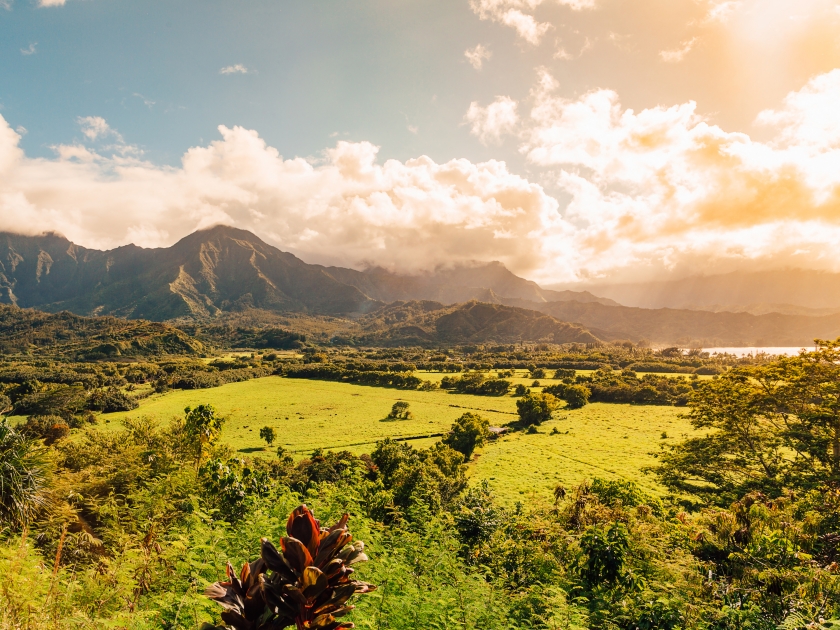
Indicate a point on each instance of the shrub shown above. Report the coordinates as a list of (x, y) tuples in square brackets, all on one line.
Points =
[(110, 400), (468, 432), (577, 396), (23, 476), (535, 409), (399, 411), (305, 583)]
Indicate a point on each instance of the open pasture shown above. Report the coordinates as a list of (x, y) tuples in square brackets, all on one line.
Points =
[(308, 414), (600, 440)]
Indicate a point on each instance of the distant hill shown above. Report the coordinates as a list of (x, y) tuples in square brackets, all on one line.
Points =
[(486, 282), (27, 331), (224, 269), (674, 326), (788, 290), (428, 323)]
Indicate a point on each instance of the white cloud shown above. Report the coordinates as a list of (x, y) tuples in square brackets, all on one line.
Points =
[(408, 215), (519, 15), (650, 190), (662, 186), (476, 56), (678, 54), (51, 3), (96, 127), (6, 4), (31, 50), (234, 69), (21, 130), (490, 123)]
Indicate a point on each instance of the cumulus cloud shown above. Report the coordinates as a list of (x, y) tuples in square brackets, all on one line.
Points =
[(476, 56), (678, 54), (490, 123), (30, 50), (655, 187), (96, 127), (51, 3), (650, 190), (519, 15), (234, 69), (406, 215)]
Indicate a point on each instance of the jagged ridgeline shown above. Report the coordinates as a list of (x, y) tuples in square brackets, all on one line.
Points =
[(28, 331), (225, 269)]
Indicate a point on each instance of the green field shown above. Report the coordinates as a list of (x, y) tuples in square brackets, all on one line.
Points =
[(601, 440), (309, 414)]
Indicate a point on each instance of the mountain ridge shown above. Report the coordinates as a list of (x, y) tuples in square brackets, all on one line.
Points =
[(227, 269)]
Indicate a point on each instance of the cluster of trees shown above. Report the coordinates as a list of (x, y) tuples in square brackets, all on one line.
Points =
[(335, 372), (625, 386), (476, 383)]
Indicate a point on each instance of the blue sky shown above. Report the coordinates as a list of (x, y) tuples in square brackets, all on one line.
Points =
[(570, 139), (365, 69)]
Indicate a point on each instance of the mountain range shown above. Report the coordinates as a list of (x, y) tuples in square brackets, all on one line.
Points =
[(785, 291), (225, 270)]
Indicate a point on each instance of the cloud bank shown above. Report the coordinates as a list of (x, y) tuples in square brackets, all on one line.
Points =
[(649, 191)]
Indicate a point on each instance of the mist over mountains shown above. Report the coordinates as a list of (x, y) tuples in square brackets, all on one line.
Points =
[(228, 270)]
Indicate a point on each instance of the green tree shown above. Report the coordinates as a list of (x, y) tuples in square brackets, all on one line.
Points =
[(605, 550), (766, 428), (268, 434), (535, 409), (576, 396), (23, 476), (468, 432), (203, 427), (399, 411)]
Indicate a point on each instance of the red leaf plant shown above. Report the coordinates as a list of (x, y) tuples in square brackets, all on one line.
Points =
[(306, 583)]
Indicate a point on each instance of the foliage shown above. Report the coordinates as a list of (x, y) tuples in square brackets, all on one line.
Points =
[(605, 552), (534, 409), (399, 411), (477, 384), (468, 432), (203, 428), (110, 400), (305, 583), (268, 434), (23, 477), (769, 427)]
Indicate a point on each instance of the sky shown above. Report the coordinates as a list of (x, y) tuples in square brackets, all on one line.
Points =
[(572, 140)]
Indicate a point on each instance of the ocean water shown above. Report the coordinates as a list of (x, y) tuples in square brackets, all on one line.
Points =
[(743, 352)]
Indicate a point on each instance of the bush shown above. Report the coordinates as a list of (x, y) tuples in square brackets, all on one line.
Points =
[(535, 409), (23, 477), (577, 396), (111, 400), (468, 432), (47, 428)]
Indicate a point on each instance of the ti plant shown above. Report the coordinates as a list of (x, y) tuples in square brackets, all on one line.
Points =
[(306, 583)]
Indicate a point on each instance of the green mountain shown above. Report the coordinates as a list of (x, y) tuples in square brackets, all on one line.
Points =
[(220, 269), (428, 323), (224, 269), (28, 331)]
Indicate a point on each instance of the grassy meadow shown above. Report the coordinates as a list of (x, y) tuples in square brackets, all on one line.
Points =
[(601, 440), (308, 414)]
